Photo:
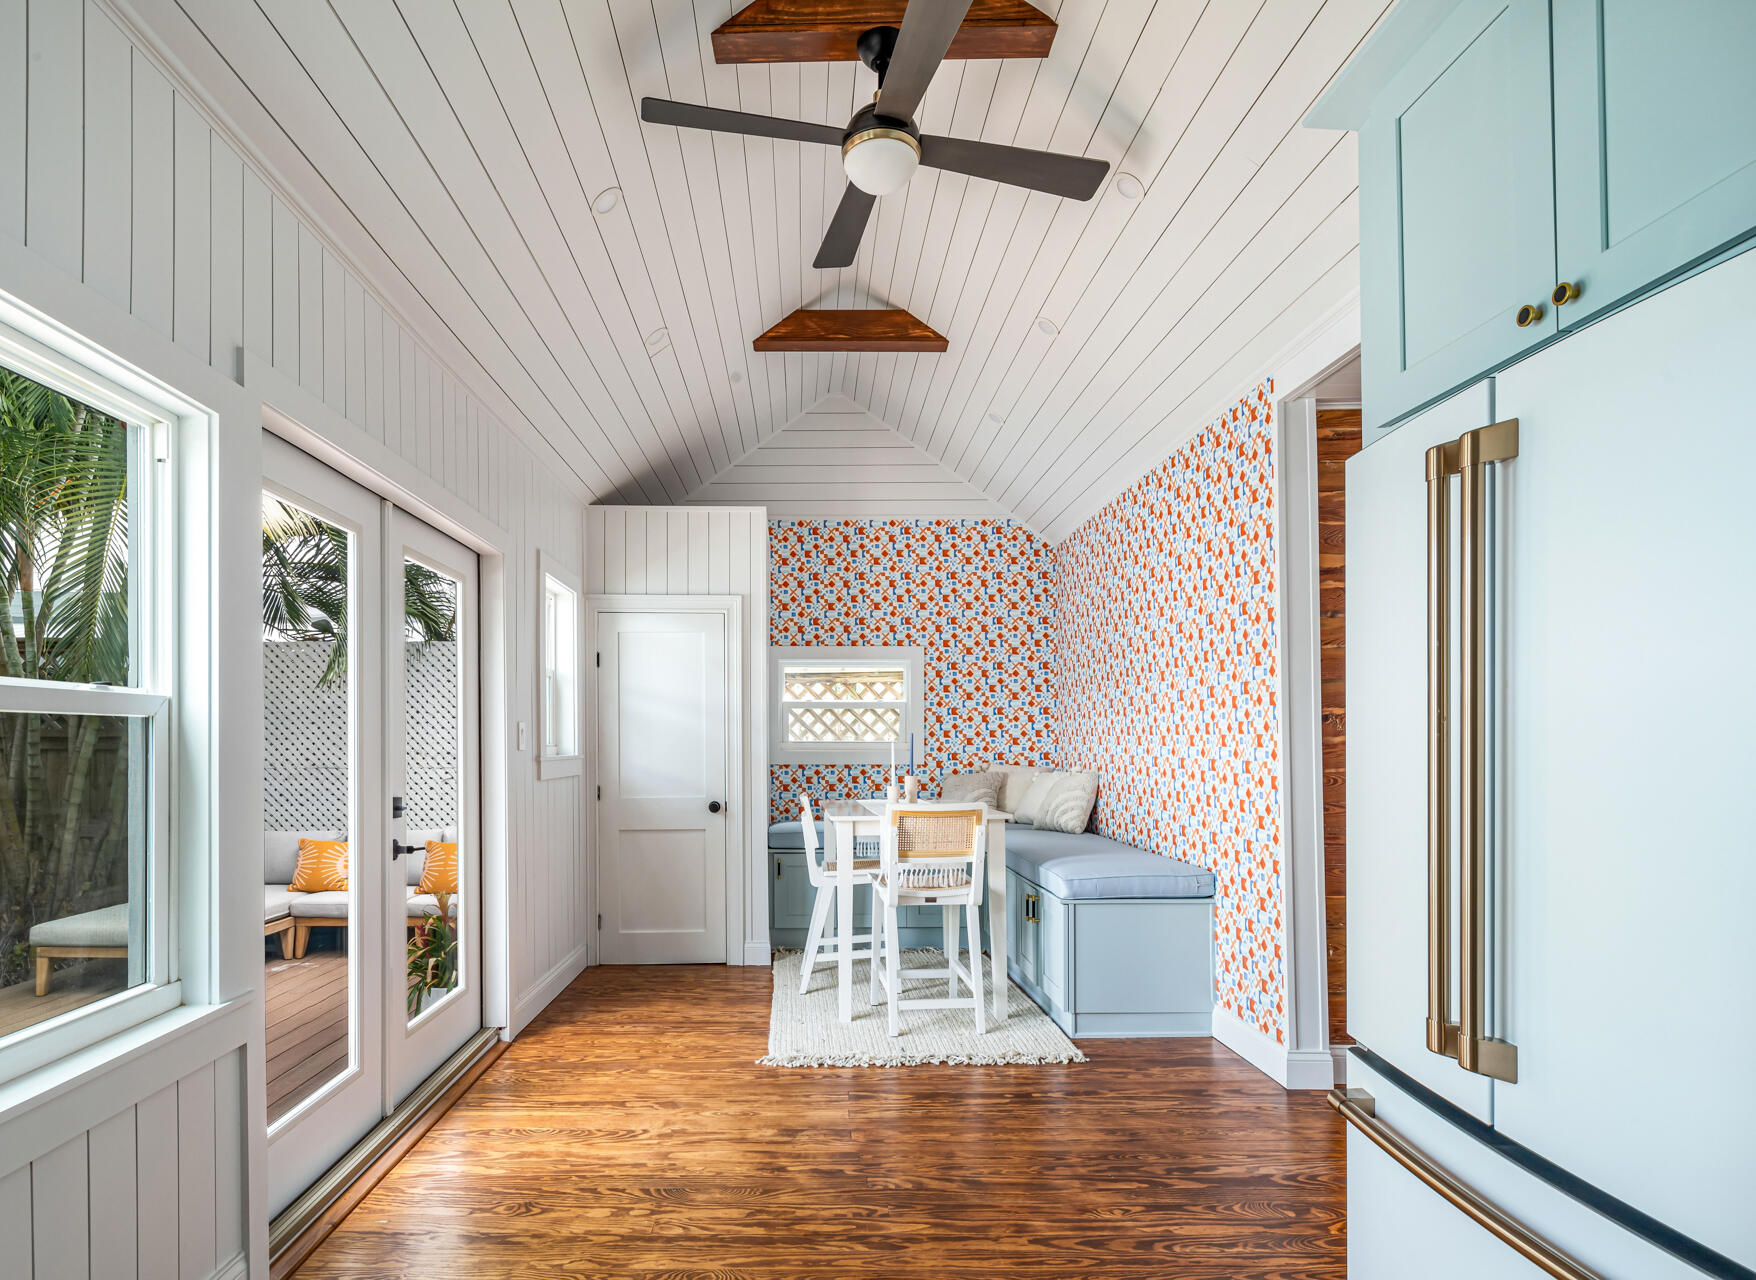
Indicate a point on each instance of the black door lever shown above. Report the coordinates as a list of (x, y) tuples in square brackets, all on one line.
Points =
[(397, 850)]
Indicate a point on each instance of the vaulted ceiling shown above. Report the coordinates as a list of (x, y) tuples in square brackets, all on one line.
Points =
[(598, 280)]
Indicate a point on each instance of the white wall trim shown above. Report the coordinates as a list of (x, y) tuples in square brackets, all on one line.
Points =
[(1289, 1068), (546, 988), (758, 953)]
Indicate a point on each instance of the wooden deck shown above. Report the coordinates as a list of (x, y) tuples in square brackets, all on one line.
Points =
[(73, 984), (307, 1027), (628, 1132)]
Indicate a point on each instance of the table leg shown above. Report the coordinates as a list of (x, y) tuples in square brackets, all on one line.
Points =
[(843, 844), (997, 914)]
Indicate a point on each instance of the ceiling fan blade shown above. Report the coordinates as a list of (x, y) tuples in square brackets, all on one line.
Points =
[(1076, 177), (841, 243), (692, 115), (928, 28)]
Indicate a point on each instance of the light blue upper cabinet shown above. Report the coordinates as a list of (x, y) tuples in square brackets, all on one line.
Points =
[(1655, 140), (1457, 207)]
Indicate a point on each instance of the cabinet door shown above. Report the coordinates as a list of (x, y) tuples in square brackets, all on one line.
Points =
[(1655, 140), (1457, 208), (1629, 875), (1023, 927), (1053, 945), (1387, 748), (790, 907)]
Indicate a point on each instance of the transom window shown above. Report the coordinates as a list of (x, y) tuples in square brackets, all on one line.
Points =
[(848, 705)]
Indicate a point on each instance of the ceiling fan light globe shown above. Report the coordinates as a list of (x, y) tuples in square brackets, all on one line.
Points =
[(880, 161)]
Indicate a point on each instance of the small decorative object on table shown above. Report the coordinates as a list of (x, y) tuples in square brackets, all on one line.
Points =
[(892, 792), (911, 788)]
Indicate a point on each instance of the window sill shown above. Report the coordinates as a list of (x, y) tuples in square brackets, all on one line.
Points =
[(30, 1092), (551, 767), (789, 753)]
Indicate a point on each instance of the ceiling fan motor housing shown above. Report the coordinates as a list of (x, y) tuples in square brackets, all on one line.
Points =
[(875, 46)]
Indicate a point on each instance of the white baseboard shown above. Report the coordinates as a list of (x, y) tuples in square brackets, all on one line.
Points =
[(1289, 1068), (237, 1269), (758, 953), (1339, 1053), (552, 984)]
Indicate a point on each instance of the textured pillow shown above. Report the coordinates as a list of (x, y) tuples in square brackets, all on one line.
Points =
[(977, 788), (1014, 782), (439, 875), (1059, 801), (323, 867)]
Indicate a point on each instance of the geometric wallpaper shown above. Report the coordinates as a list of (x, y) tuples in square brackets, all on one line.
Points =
[(975, 594), (1167, 684)]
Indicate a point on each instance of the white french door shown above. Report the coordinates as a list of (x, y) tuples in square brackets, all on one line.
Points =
[(664, 732), (371, 746)]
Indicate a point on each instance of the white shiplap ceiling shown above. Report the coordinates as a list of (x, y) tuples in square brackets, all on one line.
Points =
[(599, 280)]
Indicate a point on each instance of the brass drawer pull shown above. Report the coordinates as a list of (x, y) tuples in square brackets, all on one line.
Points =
[(1529, 314), (1564, 293)]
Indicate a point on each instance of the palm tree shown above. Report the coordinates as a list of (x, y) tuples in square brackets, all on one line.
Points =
[(305, 586), (64, 617)]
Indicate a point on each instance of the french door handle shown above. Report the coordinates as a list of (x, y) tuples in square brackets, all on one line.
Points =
[(1466, 1040), (397, 849)]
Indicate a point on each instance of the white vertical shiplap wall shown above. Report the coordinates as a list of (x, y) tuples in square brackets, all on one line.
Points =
[(697, 551), (153, 1191), (156, 232)]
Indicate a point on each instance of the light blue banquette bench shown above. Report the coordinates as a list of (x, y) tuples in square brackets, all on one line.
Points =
[(1110, 940)]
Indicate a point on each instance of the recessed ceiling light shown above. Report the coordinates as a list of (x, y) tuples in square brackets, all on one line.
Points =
[(1128, 186), (607, 199), (736, 377), (657, 338), (1048, 326)]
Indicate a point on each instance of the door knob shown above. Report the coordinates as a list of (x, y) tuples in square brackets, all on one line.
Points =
[(1564, 293), (714, 806), (1529, 314)]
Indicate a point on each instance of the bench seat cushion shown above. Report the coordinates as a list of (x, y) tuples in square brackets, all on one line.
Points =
[(105, 927), (1093, 866), (329, 905), (277, 901), (791, 835)]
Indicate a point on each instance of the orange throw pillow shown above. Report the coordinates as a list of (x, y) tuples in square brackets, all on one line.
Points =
[(439, 872), (323, 867)]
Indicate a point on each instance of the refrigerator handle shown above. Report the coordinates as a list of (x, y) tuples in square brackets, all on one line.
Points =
[(1476, 1050), (1441, 466)]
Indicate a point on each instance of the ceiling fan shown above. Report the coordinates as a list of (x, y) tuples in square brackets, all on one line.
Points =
[(881, 146)]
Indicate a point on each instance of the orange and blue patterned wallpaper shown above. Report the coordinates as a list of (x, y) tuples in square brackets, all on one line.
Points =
[(1167, 684), (976, 595)]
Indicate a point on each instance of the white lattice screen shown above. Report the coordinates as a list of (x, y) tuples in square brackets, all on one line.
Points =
[(305, 745), (843, 705)]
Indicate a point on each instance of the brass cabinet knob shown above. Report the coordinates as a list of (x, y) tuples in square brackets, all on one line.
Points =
[(1529, 314), (1564, 293)]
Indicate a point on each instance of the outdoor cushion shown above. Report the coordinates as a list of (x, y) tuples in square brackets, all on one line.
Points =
[(791, 835), (322, 906), (1090, 866), (277, 901), (416, 862), (323, 867), (280, 852), (105, 927), (424, 904), (439, 873)]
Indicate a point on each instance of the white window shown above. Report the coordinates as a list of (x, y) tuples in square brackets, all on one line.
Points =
[(558, 714), (845, 705), (88, 617)]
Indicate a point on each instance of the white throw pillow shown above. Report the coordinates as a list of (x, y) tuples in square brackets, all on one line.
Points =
[(1059, 801), (1015, 780), (977, 788)]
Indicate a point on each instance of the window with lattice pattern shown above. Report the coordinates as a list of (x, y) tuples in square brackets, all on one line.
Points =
[(858, 701)]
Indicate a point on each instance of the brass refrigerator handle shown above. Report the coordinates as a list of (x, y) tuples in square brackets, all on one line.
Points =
[(1441, 466), (1476, 1050), (1357, 1108)]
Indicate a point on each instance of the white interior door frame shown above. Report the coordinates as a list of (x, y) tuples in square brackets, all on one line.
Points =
[(302, 419), (731, 608)]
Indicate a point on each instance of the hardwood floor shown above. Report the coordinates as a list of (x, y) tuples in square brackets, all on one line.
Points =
[(628, 1133), (307, 1026)]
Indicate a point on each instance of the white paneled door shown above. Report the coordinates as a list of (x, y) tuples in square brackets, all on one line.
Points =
[(664, 736)]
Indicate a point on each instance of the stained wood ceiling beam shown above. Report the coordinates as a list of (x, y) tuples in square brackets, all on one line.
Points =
[(865, 330), (826, 30)]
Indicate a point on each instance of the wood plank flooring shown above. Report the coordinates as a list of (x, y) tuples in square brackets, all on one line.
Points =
[(628, 1133), (307, 1026), (71, 985)]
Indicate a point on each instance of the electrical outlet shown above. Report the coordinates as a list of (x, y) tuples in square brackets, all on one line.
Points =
[(523, 735)]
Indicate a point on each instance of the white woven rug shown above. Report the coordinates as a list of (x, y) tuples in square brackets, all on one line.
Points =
[(807, 1030)]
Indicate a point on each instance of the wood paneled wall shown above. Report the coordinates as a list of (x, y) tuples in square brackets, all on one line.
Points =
[(1338, 439), (674, 551)]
